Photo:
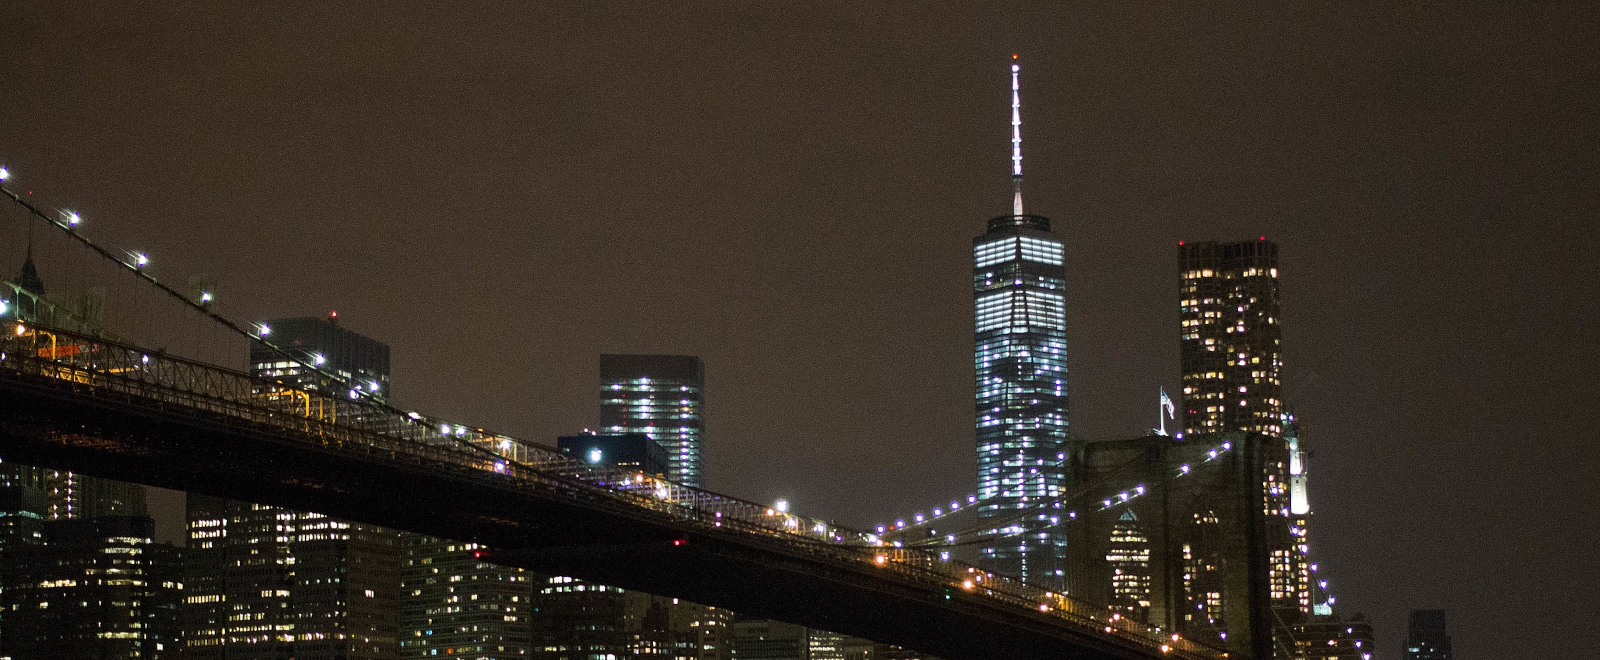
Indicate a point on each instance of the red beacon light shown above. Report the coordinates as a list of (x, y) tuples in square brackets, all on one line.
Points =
[(679, 542)]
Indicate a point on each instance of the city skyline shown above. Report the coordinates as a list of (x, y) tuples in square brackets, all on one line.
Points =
[(1368, 257)]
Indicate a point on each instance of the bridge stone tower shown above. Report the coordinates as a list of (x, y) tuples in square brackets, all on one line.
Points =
[(1190, 554)]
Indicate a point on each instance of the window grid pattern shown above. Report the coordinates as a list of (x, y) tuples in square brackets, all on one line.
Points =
[(1020, 364)]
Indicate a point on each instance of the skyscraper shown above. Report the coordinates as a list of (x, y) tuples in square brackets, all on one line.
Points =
[(661, 396), (96, 588), (1425, 636), (268, 582), (1232, 340), (1020, 356), (1232, 359)]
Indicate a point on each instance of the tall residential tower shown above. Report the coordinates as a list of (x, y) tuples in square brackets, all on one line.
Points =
[(1232, 340), (1020, 358)]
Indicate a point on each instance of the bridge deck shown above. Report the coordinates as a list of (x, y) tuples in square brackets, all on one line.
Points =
[(122, 412)]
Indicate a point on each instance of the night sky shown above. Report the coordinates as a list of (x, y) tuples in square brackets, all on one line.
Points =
[(502, 193)]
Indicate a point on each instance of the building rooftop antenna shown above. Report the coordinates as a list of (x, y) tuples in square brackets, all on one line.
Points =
[(1016, 138)]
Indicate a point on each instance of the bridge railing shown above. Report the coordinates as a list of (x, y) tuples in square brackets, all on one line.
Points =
[(355, 423)]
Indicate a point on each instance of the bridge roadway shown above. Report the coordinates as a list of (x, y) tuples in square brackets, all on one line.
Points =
[(72, 401)]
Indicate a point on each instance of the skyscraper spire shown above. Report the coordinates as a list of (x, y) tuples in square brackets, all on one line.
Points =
[(1016, 138)]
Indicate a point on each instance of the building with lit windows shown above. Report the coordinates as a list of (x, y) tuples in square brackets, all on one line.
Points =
[(577, 620), (1332, 638), (1231, 350), (1020, 364), (96, 588), (1128, 553), (453, 604), (1425, 636), (266, 582), (663, 397), (1232, 361)]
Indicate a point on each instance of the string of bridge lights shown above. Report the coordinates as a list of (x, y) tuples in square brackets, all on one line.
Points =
[(1108, 503), (137, 262)]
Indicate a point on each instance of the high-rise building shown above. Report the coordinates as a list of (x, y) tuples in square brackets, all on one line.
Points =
[(1425, 636), (96, 588), (453, 604), (1231, 348), (268, 582), (1020, 359), (1128, 554), (661, 396)]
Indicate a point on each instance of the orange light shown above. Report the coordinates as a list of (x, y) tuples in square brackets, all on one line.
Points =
[(881, 560), (1013, 56), (967, 584)]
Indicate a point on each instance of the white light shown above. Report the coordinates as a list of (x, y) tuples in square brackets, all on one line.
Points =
[(3, 307), (205, 296), (140, 260), (318, 360), (594, 455), (73, 219), (4, 174), (265, 330), (414, 415), (781, 505)]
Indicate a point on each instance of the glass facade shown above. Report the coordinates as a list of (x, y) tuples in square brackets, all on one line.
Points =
[(661, 396), (1020, 360)]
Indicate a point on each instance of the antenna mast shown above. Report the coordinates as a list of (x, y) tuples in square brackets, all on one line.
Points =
[(1016, 138)]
